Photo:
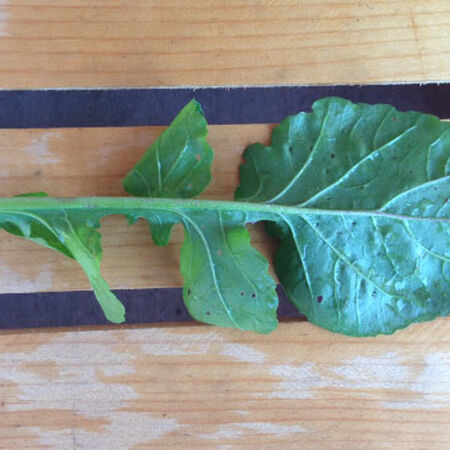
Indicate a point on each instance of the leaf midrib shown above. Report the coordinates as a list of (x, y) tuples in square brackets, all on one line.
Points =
[(102, 206)]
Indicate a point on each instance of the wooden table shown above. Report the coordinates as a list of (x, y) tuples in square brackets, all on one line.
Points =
[(194, 386)]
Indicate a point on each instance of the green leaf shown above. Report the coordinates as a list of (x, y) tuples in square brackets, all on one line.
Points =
[(73, 234), (227, 281), (357, 194), (177, 165), (369, 252)]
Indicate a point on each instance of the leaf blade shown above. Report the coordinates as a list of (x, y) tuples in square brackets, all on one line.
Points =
[(237, 290), (390, 168), (75, 236), (177, 165)]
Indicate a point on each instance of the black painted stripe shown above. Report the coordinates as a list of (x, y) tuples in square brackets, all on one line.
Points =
[(78, 308), (135, 107)]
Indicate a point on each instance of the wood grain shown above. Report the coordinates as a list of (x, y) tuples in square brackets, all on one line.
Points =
[(93, 161), (204, 387), (211, 42)]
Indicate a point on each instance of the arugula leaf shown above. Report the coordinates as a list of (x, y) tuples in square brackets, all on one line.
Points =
[(177, 165), (372, 253), (226, 280), (75, 235), (357, 194)]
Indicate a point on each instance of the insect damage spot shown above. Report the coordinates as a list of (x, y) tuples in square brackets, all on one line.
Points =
[(198, 157), (319, 298), (332, 156)]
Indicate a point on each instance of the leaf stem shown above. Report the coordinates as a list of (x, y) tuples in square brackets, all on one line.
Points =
[(102, 206)]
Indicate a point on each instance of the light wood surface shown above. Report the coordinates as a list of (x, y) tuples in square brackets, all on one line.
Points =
[(203, 387), (213, 42), (93, 161), (192, 386)]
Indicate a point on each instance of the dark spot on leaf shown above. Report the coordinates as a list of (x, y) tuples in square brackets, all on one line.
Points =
[(328, 198), (332, 156), (353, 223), (395, 119), (339, 233), (253, 295), (374, 293), (290, 149), (319, 299), (197, 157), (38, 172), (189, 292), (219, 252), (242, 293), (361, 187), (394, 158), (208, 313), (317, 224), (410, 171), (445, 201)]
